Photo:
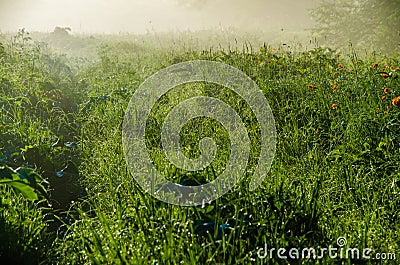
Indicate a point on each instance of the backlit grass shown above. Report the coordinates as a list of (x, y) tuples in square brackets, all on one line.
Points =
[(335, 173)]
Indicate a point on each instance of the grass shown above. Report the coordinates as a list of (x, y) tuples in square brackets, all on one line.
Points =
[(335, 171)]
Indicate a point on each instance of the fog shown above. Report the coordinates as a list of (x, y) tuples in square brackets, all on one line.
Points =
[(141, 16)]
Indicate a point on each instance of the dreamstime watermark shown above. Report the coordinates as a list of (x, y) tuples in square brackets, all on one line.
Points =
[(332, 252), (145, 98)]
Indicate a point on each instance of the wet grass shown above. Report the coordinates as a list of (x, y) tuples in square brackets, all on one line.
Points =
[(335, 172)]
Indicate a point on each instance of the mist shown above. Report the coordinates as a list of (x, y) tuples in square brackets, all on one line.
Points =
[(142, 16)]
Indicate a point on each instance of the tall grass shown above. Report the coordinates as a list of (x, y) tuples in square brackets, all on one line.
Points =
[(335, 172)]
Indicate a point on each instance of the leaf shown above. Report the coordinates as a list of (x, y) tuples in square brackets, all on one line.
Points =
[(34, 179), (27, 191), (23, 180)]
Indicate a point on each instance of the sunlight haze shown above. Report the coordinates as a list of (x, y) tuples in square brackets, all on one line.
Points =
[(141, 16)]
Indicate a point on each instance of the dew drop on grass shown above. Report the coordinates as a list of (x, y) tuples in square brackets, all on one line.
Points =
[(71, 144)]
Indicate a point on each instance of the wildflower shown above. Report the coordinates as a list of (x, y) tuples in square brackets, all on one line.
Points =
[(383, 97), (389, 107), (384, 68), (386, 90), (310, 86), (334, 106), (374, 65), (335, 74), (392, 67), (396, 102), (384, 75), (385, 112), (317, 131), (340, 65), (259, 62)]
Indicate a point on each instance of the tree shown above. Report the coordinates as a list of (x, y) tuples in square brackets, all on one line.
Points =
[(61, 32), (370, 23)]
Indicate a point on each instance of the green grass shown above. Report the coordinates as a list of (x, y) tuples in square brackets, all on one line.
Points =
[(335, 172)]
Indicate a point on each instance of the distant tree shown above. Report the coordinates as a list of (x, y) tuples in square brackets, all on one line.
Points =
[(371, 23), (60, 32)]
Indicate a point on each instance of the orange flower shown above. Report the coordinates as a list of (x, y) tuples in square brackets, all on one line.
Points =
[(334, 106), (392, 67), (383, 97), (384, 68), (374, 65), (396, 102), (311, 87), (335, 74), (340, 65), (385, 75), (386, 90), (259, 62)]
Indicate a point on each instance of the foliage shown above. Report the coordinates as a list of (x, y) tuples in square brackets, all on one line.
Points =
[(335, 172), (367, 23), (22, 180), (24, 229), (334, 169), (34, 126)]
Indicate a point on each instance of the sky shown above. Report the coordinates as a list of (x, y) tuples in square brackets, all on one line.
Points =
[(142, 16)]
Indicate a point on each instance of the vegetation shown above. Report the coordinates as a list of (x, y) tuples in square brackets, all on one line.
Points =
[(367, 23), (335, 172)]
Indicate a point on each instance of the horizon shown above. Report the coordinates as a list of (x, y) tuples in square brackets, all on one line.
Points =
[(140, 16)]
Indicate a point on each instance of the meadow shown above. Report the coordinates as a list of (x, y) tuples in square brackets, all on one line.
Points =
[(68, 197)]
